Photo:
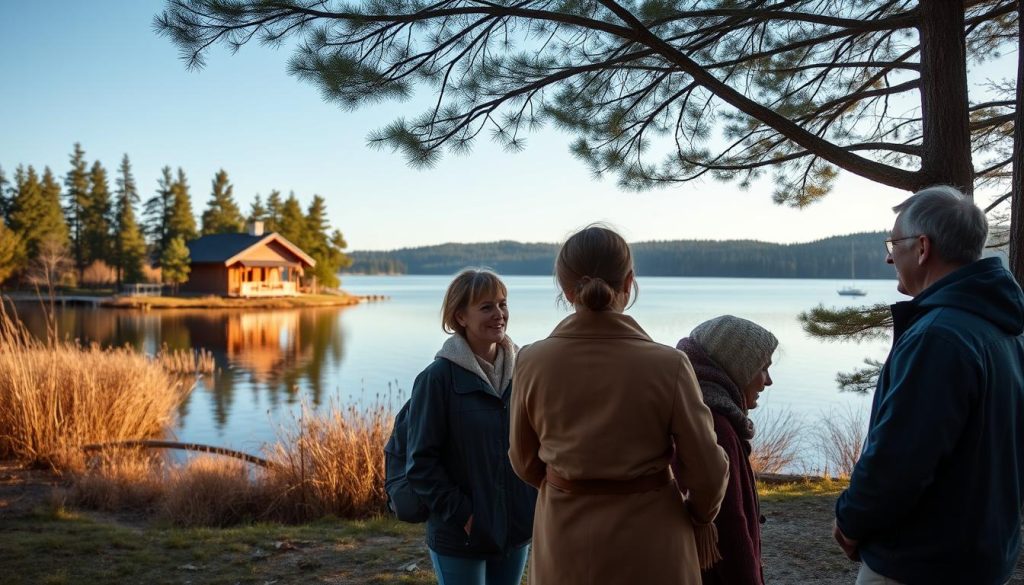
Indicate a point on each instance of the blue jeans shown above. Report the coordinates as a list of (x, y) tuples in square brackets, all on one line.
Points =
[(462, 571)]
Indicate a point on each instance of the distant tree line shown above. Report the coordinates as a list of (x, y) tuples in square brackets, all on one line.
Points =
[(828, 258), (87, 233)]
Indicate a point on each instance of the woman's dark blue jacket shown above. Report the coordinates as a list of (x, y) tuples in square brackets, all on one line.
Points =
[(458, 464)]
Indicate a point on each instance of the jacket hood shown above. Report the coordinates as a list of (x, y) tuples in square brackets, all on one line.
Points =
[(983, 288), (456, 350)]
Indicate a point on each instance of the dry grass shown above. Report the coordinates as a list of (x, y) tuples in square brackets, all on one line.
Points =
[(327, 464), (120, 480), (212, 491), (776, 444), (840, 439), (186, 361), (56, 396), (332, 464)]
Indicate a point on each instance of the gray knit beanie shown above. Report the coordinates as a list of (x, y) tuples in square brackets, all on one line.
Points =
[(738, 346)]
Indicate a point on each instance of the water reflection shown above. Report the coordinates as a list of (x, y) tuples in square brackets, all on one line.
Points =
[(278, 356)]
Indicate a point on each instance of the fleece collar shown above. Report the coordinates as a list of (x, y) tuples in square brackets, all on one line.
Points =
[(456, 350)]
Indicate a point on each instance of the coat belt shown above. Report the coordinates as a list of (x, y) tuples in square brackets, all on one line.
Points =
[(644, 483)]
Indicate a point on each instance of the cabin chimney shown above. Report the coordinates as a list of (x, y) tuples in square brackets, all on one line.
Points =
[(255, 228)]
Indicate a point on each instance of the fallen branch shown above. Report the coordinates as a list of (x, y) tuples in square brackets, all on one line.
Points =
[(153, 444)]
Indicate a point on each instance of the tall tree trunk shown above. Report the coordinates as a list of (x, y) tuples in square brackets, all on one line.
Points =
[(1017, 198), (946, 136)]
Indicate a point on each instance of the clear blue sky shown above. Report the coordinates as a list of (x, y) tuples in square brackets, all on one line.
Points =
[(95, 72)]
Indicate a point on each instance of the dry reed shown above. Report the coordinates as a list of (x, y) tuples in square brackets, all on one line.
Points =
[(776, 444), (212, 491), (330, 464), (840, 439), (186, 361), (119, 480), (56, 396)]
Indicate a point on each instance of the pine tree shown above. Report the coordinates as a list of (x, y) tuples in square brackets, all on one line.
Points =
[(273, 221), (51, 216), (257, 212), (325, 247), (35, 211), (12, 252), (292, 223), (175, 262), (129, 244), (5, 200), (181, 222), (76, 200), (157, 212), (97, 219), (222, 215)]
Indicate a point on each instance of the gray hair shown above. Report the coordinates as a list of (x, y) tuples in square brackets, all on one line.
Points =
[(956, 226)]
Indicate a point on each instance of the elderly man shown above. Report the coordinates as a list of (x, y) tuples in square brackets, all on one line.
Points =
[(938, 492)]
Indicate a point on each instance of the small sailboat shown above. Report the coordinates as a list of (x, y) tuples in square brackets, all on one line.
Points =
[(851, 289)]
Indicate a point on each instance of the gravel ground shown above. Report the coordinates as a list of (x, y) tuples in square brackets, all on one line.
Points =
[(797, 545)]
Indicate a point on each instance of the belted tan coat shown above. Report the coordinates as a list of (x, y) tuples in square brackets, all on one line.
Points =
[(599, 400)]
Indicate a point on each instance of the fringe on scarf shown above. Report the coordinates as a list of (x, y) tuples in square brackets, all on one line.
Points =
[(706, 537)]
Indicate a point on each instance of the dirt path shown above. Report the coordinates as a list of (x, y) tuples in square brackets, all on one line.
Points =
[(798, 548)]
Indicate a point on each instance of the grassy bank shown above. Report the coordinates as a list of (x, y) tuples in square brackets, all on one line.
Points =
[(53, 545)]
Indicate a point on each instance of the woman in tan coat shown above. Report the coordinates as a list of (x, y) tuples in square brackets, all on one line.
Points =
[(597, 411)]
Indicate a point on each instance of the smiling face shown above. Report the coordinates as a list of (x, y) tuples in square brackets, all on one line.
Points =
[(484, 320), (756, 386)]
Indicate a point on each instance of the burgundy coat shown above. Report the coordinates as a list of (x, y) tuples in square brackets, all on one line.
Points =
[(739, 519)]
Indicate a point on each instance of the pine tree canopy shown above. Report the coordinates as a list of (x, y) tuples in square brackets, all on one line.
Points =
[(76, 184), (257, 212), (129, 244), (157, 212), (661, 91), (97, 217), (274, 205), (35, 210), (222, 215), (182, 222), (12, 252), (175, 262)]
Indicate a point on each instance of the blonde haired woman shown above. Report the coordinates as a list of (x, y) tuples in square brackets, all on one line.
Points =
[(597, 410), (481, 514)]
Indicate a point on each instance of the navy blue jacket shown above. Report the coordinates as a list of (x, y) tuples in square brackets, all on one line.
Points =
[(938, 492), (458, 464)]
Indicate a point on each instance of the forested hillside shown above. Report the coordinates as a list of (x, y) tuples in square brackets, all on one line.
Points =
[(828, 258)]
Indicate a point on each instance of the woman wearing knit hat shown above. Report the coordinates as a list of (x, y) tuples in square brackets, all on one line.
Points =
[(731, 357)]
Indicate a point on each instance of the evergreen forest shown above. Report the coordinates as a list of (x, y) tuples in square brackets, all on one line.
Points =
[(833, 257), (88, 229)]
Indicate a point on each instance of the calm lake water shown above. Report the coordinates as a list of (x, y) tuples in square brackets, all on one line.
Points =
[(271, 361)]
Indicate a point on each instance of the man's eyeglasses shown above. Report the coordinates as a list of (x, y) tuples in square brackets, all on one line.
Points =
[(891, 241)]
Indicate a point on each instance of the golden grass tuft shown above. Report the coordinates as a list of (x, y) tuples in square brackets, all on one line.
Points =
[(56, 396), (119, 480), (212, 491), (186, 361), (330, 464)]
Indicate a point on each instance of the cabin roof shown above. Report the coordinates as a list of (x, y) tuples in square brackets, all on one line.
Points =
[(225, 248)]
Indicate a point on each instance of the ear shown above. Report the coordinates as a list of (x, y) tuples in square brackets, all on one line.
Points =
[(627, 283), (460, 318), (924, 249), (570, 296)]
